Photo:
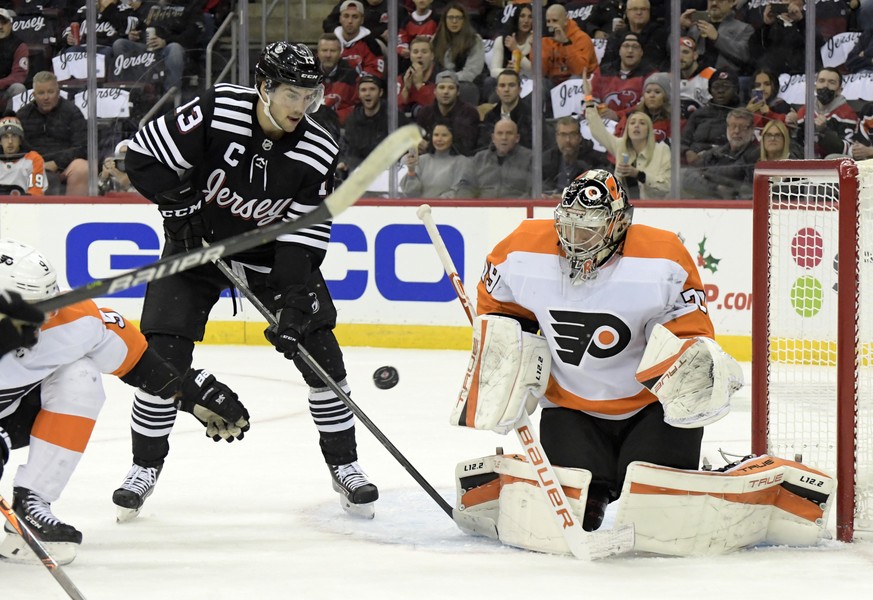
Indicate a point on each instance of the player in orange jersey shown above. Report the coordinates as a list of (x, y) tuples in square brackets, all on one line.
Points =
[(51, 392), (635, 373)]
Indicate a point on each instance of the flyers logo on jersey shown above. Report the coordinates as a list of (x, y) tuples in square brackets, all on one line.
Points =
[(601, 335)]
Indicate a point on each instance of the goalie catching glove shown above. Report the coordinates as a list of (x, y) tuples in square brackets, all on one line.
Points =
[(214, 404), (694, 379), (507, 374)]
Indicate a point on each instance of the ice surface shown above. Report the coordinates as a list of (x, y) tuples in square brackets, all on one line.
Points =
[(257, 519)]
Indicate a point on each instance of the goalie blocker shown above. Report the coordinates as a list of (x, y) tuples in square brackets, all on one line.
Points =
[(507, 373), (761, 500)]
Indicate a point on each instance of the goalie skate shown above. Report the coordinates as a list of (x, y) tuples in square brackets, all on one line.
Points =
[(60, 539), (138, 484), (357, 494)]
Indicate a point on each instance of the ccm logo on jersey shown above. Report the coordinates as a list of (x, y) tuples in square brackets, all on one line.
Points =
[(601, 335)]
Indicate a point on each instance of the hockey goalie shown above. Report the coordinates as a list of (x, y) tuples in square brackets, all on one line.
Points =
[(604, 325)]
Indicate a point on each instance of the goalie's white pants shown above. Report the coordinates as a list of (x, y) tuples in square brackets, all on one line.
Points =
[(71, 399)]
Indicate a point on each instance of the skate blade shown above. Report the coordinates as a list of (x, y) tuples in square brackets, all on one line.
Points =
[(362, 511), (15, 550), (123, 515)]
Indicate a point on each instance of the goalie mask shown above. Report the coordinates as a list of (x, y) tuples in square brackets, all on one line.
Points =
[(592, 221), (26, 271), (294, 65)]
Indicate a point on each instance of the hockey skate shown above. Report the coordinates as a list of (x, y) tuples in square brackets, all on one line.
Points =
[(357, 494), (60, 539), (137, 486)]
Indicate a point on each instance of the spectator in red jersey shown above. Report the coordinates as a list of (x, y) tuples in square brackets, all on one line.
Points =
[(567, 50), (835, 121), (458, 48), (618, 86), (360, 48), (423, 21), (15, 62), (764, 103), (340, 79), (655, 104), (418, 83)]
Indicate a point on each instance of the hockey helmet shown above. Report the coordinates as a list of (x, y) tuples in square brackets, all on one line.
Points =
[(292, 64), (592, 221), (26, 271)]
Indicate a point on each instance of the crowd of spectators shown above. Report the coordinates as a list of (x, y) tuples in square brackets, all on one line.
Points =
[(464, 70)]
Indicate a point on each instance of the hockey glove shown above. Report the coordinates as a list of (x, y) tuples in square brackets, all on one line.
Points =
[(214, 404), (292, 319), (19, 322), (183, 222), (5, 445)]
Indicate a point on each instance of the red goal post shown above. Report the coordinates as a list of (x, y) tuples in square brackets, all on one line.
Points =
[(812, 324)]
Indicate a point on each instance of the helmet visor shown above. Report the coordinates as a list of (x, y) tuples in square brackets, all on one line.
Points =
[(290, 97)]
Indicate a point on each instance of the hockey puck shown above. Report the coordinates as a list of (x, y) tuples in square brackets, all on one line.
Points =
[(385, 378)]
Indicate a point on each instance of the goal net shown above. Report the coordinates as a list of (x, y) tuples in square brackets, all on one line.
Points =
[(812, 330)]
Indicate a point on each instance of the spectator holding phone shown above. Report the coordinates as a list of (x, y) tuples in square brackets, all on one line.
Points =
[(722, 40), (764, 103), (780, 44)]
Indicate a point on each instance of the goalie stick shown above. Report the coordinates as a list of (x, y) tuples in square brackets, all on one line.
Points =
[(40, 550), (385, 154), (582, 544), (341, 394)]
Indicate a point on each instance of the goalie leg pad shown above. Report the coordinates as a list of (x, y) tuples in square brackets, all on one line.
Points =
[(693, 378), (497, 497), (507, 373), (763, 500)]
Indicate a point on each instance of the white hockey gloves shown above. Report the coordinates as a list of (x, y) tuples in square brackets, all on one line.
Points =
[(507, 374), (693, 378), (213, 404)]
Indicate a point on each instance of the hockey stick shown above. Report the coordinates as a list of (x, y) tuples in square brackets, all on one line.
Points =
[(341, 394), (582, 544), (385, 154), (40, 550)]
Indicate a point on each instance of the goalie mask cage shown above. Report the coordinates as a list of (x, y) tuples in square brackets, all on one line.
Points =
[(812, 324)]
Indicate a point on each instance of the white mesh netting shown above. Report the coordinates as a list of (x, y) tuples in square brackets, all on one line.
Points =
[(803, 317)]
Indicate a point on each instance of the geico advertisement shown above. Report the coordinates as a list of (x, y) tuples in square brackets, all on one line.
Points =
[(381, 266)]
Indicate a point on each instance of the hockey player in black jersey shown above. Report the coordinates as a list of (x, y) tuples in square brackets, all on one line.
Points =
[(231, 160)]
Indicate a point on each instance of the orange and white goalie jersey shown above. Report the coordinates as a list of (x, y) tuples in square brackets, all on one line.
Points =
[(74, 332), (596, 329)]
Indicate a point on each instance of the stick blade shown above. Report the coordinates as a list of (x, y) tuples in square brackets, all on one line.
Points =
[(603, 544), (386, 154)]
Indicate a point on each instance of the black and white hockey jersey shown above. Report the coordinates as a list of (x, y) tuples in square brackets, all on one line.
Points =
[(246, 180)]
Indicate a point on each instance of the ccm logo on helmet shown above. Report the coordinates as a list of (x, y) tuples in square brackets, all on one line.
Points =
[(601, 335)]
